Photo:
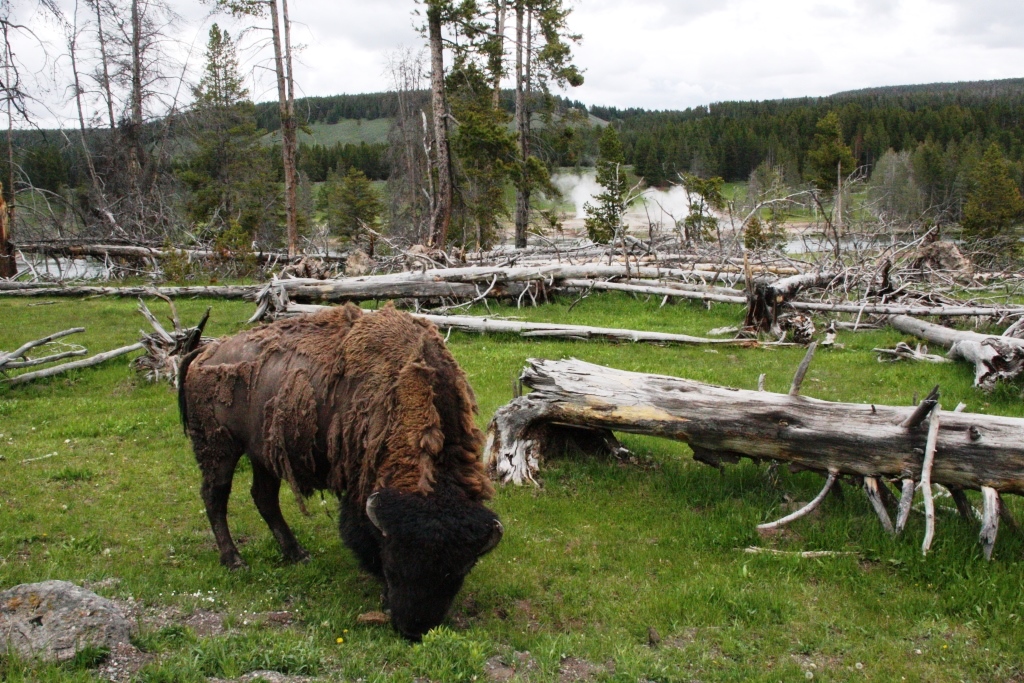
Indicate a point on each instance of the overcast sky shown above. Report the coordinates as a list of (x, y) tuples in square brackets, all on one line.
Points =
[(673, 54)]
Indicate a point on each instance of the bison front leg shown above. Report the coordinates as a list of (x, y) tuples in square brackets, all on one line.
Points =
[(266, 487), (216, 491)]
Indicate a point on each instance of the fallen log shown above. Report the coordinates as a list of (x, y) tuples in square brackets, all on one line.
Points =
[(16, 358), (995, 358), (149, 254), (66, 367), (213, 292), (482, 325), (581, 404)]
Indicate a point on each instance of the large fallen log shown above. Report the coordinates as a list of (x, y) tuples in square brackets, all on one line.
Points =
[(483, 325), (149, 254), (213, 292), (579, 403), (995, 358)]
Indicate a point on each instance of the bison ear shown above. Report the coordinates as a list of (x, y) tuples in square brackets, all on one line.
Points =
[(497, 531), (371, 512)]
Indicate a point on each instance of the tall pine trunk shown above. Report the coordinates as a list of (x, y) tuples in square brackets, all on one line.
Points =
[(523, 49), (286, 108), (105, 66), (442, 215), (501, 11), (8, 268)]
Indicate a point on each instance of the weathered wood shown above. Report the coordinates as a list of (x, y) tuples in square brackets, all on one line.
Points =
[(7, 358), (765, 298), (994, 357), (801, 371), (854, 439), (469, 323), (696, 295), (165, 350), (906, 502), (990, 520), (149, 254), (807, 509), (873, 490), (85, 363), (926, 478), (213, 292)]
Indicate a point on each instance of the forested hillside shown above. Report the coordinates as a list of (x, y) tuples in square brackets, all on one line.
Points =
[(942, 124)]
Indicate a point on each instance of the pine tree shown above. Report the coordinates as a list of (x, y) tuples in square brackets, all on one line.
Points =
[(353, 207), (605, 219), (994, 205), (231, 180), (830, 157)]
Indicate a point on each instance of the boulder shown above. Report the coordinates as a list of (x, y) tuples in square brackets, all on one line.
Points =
[(54, 620)]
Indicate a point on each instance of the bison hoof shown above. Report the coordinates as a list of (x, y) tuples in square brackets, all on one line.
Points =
[(234, 562), (300, 555)]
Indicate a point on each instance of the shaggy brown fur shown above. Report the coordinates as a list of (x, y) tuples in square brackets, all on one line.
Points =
[(339, 401)]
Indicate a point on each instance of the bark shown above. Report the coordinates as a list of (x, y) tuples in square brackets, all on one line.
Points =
[(442, 211), (286, 110), (8, 267), (995, 358), (766, 299), (522, 121), (136, 95), (165, 350), (104, 65), (972, 450), (501, 12)]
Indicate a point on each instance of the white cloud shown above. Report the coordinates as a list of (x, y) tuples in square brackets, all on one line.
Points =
[(666, 54)]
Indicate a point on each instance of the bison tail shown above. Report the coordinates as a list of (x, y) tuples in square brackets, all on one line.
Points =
[(188, 352)]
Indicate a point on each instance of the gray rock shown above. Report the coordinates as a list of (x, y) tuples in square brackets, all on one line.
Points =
[(54, 620)]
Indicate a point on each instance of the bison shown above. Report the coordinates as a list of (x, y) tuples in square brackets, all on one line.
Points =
[(371, 407)]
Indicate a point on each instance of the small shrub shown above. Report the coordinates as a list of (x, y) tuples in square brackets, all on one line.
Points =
[(88, 658)]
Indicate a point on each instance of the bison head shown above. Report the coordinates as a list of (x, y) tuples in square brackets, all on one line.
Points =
[(428, 545)]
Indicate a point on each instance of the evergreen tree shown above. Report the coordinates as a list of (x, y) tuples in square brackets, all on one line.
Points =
[(353, 207), (604, 220), (704, 196), (830, 157), (994, 205), (231, 181)]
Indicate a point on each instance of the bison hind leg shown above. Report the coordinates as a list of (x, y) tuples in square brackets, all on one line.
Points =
[(266, 487)]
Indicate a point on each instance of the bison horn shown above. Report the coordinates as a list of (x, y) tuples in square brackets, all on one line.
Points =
[(496, 533), (371, 512)]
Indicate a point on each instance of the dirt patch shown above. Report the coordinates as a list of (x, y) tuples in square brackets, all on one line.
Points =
[(124, 662), (816, 662), (573, 669), (264, 677), (517, 667), (205, 624)]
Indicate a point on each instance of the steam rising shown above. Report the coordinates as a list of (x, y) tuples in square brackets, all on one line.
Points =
[(661, 206)]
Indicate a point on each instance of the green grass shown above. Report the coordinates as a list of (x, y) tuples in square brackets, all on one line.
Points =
[(590, 561), (351, 131)]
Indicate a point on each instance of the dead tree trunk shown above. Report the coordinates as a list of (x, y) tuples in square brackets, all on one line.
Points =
[(522, 118), (995, 358), (286, 108), (8, 268), (579, 403), (765, 299), (442, 214)]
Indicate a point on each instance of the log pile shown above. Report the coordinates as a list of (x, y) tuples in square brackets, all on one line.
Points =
[(579, 404)]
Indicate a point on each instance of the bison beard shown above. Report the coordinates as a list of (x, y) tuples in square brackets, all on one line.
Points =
[(373, 408)]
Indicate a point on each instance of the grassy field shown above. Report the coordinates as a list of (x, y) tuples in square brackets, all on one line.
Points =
[(351, 131), (604, 551)]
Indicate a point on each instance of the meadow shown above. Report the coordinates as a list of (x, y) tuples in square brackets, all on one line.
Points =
[(98, 486)]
